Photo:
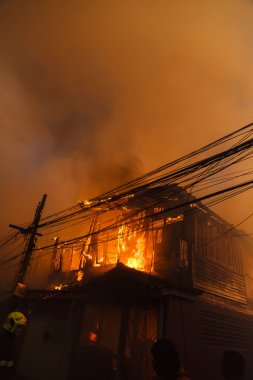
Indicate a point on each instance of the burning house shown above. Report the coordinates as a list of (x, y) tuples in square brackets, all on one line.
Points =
[(147, 259), (156, 263)]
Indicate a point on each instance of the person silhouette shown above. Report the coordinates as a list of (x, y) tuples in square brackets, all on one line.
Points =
[(232, 365), (166, 361)]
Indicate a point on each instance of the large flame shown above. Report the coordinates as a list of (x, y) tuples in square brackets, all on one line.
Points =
[(134, 243), (131, 247), (137, 261)]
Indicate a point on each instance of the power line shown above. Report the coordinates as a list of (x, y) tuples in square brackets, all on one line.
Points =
[(175, 179)]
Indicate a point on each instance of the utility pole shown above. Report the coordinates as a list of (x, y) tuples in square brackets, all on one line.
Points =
[(32, 230)]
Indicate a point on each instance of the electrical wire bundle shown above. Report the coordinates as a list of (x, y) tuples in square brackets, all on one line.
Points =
[(205, 177)]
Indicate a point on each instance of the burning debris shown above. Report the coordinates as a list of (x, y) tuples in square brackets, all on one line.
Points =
[(130, 232)]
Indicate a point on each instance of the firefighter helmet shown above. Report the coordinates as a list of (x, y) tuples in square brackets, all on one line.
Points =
[(14, 320)]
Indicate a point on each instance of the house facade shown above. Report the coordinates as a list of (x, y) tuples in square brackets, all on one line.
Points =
[(156, 265)]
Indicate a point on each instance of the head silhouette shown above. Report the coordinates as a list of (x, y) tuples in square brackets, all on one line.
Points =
[(233, 365), (166, 362)]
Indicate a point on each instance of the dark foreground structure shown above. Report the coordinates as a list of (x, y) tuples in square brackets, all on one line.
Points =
[(163, 270)]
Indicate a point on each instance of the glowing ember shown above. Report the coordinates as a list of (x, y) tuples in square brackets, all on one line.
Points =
[(58, 287), (93, 337), (79, 275)]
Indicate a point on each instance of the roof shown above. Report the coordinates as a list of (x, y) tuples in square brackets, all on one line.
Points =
[(120, 283)]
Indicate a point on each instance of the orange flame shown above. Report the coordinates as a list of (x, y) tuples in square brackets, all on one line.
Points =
[(138, 261)]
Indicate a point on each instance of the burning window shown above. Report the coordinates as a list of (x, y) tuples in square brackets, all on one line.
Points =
[(132, 236)]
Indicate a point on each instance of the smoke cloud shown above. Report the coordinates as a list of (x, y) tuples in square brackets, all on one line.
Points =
[(95, 93)]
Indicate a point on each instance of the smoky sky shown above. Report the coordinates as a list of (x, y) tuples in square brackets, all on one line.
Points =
[(95, 93)]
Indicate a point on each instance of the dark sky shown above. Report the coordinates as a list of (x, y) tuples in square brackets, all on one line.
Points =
[(94, 93)]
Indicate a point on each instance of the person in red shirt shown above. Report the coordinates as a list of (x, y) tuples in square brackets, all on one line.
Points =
[(166, 361)]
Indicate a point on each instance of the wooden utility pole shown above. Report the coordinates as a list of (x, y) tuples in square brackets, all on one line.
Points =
[(32, 230)]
